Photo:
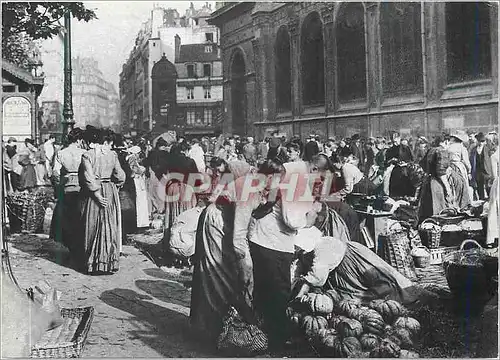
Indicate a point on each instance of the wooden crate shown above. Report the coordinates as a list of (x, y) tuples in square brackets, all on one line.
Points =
[(437, 254)]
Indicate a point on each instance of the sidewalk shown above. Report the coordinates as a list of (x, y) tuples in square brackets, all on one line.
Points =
[(141, 311)]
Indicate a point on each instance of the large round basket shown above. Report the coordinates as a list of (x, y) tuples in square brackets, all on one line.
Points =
[(27, 210), (449, 217), (466, 272), (430, 238)]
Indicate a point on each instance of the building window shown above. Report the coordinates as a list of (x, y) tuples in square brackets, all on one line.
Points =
[(207, 70), (312, 58), (191, 117), (209, 37), (208, 49), (207, 92), (468, 41), (190, 93), (207, 116), (351, 56), (283, 71), (401, 48), (190, 71)]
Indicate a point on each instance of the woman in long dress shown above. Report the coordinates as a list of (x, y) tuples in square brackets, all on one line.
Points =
[(126, 192), (180, 195), (27, 159), (66, 219), (352, 269), (461, 169), (222, 264), (270, 229), (437, 193), (217, 284), (100, 174)]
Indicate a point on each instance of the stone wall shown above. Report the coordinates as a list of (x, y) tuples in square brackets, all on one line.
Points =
[(252, 29)]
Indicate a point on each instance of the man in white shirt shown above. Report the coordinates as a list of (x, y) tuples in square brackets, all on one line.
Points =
[(48, 148), (355, 180), (198, 155)]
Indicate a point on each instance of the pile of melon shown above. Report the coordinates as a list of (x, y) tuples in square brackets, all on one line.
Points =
[(347, 328)]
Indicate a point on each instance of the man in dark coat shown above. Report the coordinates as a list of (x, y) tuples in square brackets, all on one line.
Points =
[(398, 152), (358, 151)]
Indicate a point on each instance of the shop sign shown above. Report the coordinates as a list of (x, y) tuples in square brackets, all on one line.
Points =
[(17, 117)]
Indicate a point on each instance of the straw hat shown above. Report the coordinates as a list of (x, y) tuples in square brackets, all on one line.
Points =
[(459, 134), (134, 150)]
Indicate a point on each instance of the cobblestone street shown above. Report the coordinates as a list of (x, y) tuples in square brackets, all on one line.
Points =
[(142, 311)]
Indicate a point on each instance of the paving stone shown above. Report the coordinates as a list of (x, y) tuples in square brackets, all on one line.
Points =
[(137, 308)]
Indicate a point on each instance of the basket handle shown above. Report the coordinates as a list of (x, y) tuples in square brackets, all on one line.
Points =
[(430, 220), (455, 212), (470, 241), (397, 223)]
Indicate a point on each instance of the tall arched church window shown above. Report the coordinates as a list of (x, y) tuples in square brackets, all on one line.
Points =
[(468, 41), (351, 54), (401, 48), (283, 71), (312, 58)]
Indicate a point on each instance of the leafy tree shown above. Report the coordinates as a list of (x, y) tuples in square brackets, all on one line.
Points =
[(23, 22)]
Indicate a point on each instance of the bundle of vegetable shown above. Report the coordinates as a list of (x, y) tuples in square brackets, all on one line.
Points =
[(340, 327)]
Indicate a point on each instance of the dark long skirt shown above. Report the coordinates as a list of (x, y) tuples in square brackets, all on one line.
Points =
[(364, 275), (349, 216), (127, 206), (272, 291), (433, 199), (65, 226), (28, 177), (400, 184), (460, 188), (101, 231), (216, 276)]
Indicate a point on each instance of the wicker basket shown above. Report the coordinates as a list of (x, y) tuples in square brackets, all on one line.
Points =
[(430, 238), (465, 271), (448, 217), (67, 340), (395, 250), (28, 209)]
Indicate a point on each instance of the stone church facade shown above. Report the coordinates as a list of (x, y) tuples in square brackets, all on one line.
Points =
[(342, 68)]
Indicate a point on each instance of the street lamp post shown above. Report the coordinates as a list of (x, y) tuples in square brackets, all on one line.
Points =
[(68, 121)]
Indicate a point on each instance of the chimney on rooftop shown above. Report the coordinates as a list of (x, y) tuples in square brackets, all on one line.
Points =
[(177, 47)]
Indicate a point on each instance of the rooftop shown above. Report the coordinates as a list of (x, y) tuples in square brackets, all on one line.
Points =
[(196, 53)]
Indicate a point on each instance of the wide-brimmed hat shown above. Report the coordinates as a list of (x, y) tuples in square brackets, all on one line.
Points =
[(480, 137), (12, 139), (459, 134), (134, 149)]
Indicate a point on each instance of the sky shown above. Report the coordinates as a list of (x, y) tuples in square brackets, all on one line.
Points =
[(110, 38)]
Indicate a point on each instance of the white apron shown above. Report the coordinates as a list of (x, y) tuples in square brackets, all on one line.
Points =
[(141, 201), (493, 213)]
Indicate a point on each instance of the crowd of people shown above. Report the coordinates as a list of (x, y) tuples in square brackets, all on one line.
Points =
[(109, 186)]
